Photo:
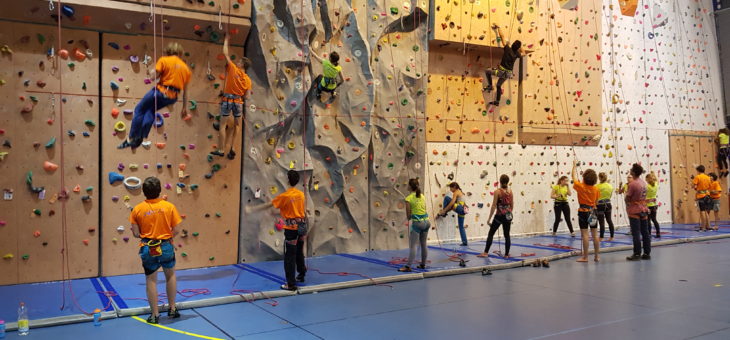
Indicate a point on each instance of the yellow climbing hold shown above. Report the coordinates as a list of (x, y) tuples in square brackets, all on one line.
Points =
[(291, 145), (273, 190)]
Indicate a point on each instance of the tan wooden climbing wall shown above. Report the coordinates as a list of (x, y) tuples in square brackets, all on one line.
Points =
[(559, 99), (688, 150), (35, 241), (216, 243)]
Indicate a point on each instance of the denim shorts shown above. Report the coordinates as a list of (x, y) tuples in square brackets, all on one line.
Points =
[(228, 107), (152, 263), (420, 226), (715, 205)]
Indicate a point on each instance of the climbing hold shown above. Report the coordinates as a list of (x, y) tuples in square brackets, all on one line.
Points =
[(193, 105), (113, 45), (8, 256), (89, 123), (115, 177), (114, 86), (63, 53), (79, 55), (115, 112), (50, 167), (132, 183)]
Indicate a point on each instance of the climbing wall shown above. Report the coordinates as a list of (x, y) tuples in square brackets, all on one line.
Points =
[(354, 153), (688, 150), (31, 132), (660, 73), (555, 94), (204, 188)]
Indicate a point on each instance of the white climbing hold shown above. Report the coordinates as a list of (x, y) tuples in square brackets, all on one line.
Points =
[(120, 228)]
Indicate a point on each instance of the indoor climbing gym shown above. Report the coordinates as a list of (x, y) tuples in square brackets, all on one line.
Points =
[(365, 169)]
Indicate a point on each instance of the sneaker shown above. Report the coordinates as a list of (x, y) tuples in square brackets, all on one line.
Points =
[(464, 244), (173, 313), (124, 145), (646, 257), (153, 319), (289, 288), (421, 266), (217, 153), (633, 258), (300, 278), (405, 269)]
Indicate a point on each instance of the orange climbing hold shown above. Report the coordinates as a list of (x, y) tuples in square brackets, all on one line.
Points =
[(160, 145), (63, 53), (115, 112), (80, 56), (48, 166), (221, 56), (77, 188), (451, 131), (37, 233)]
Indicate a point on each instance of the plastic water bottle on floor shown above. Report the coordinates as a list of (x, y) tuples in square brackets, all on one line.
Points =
[(23, 328), (2, 329), (97, 317)]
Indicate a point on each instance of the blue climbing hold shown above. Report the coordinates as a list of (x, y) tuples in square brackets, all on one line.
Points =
[(115, 86), (115, 177), (113, 45)]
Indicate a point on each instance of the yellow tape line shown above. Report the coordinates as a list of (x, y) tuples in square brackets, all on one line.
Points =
[(175, 330)]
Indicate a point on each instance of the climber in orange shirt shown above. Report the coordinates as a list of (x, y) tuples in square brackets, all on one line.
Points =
[(174, 75), (237, 84)]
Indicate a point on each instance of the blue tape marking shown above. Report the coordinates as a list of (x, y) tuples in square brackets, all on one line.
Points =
[(378, 262), (117, 298), (102, 297), (511, 259), (264, 274), (571, 238), (541, 247)]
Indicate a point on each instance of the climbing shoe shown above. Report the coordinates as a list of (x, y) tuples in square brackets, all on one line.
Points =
[(421, 266), (231, 154), (217, 153), (153, 319), (405, 269)]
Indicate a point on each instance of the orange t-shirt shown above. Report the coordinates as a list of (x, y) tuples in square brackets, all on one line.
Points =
[(291, 204), (587, 194), (237, 83), (173, 72), (155, 218), (715, 190), (702, 185)]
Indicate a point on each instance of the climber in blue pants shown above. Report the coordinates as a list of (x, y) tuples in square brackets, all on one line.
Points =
[(456, 203)]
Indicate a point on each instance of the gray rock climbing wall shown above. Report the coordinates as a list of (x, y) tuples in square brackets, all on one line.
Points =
[(355, 153)]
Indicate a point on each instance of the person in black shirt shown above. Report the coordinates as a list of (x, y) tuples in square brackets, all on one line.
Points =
[(504, 71)]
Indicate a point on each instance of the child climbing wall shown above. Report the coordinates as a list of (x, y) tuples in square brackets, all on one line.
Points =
[(31, 233), (380, 104)]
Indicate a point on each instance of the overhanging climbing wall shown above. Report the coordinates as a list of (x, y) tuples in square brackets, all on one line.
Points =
[(177, 154), (688, 150), (31, 230), (379, 108), (557, 102)]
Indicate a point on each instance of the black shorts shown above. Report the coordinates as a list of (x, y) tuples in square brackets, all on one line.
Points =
[(583, 220), (705, 203)]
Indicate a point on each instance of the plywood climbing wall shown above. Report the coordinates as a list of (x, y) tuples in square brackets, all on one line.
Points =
[(688, 150), (178, 156), (31, 228), (558, 101)]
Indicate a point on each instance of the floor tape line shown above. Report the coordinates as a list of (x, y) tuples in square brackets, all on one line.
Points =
[(117, 298), (176, 330)]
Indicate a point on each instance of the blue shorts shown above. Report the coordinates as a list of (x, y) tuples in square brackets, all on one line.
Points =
[(228, 107), (152, 263)]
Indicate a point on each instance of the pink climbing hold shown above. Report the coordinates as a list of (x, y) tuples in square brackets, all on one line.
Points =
[(293, 103)]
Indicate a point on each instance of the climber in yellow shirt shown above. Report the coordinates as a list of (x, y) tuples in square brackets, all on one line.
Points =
[(331, 77)]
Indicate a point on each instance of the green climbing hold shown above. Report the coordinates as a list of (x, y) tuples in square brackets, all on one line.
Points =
[(401, 143), (218, 214), (51, 143), (484, 112), (184, 254), (83, 86), (25, 256), (34, 99), (216, 86), (210, 158), (390, 166), (193, 187), (182, 147), (211, 3), (212, 258), (416, 48), (508, 102), (404, 102), (410, 154), (37, 212), (196, 233), (494, 164), (71, 64), (89, 122), (235, 6), (89, 188), (215, 167), (210, 136), (41, 38), (193, 105)]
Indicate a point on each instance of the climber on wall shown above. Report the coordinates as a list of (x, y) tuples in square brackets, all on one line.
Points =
[(237, 84), (174, 75), (506, 65), (331, 77)]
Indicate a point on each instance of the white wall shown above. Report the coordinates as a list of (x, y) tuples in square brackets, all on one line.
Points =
[(671, 81)]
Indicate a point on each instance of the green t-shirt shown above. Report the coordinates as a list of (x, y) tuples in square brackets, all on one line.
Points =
[(724, 139), (562, 192), (330, 73), (418, 204), (606, 191), (651, 194)]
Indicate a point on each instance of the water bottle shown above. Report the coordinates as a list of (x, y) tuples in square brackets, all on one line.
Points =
[(23, 320), (97, 317), (2, 329)]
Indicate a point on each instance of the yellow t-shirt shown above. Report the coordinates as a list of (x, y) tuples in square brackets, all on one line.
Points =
[(724, 139), (173, 72), (155, 218), (605, 190), (418, 204), (562, 192), (651, 191), (329, 74)]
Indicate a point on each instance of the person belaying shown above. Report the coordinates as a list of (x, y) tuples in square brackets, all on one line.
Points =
[(174, 75), (506, 65), (723, 151), (418, 234), (588, 195), (652, 186), (603, 209), (237, 84), (156, 221), (456, 203), (715, 194), (638, 215), (560, 192), (331, 77), (702, 184), (292, 205), (503, 205)]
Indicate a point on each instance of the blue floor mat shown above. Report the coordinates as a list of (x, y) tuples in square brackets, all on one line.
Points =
[(44, 300)]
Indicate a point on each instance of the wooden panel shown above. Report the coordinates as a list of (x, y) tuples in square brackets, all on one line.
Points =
[(187, 142), (35, 241), (688, 150)]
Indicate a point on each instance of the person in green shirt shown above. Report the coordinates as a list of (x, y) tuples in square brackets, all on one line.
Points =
[(560, 192), (416, 214), (723, 152), (651, 190), (603, 207), (331, 77)]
